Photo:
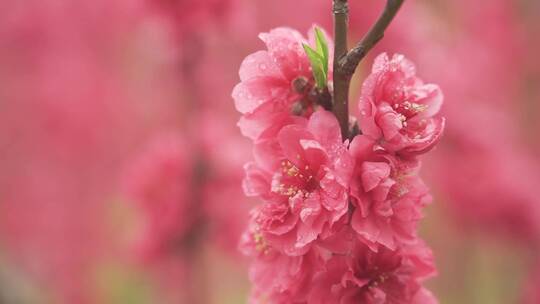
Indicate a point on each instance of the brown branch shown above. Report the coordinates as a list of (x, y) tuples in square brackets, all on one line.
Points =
[(321, 97), (341, 80), (345, 62), (349, 63)]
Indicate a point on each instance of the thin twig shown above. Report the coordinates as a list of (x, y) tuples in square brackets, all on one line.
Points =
[(341, 80), (345, 62), (349, 63)]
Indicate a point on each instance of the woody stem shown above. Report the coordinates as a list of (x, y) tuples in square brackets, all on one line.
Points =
[(346, 62)]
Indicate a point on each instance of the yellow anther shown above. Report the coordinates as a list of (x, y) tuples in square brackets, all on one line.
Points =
[(418, 107), (260, 243), (292, 171)]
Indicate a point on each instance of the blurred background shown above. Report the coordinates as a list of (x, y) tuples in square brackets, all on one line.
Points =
[(121, 162)]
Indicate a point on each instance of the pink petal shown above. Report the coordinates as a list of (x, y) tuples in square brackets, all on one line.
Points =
[(432, 97), (285, 47), (325, 127), (424, 296), (314, 153), (380, 193), (249, 95), (390, 124), (256, 182), (306, 234), (330, 186), (266, 121), (373, 173), (361, 147), (386, 236), (258, 64), (289, 140), (380, 63), (365, 227), (383, 209), (311, 207), (367, 111), (433, 134), (268, 154), (405, 65)]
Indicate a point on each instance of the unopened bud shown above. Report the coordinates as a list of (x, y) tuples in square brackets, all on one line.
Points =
[(300, 84), (297, 108)]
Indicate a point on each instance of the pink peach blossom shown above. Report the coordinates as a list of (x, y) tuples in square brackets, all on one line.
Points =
[(272, 82), (397, 109), (327, 206), (303, 177), (365, 276), (388, 195), (277, 277)]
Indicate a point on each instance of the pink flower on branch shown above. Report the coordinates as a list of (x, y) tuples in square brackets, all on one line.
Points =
[(398, 110), (364, 276), (303, 177), (337, 223), (352, 274), (277, 277), (275, 84), (387, 193)]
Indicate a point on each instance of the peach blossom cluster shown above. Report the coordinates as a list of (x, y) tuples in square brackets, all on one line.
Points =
[(338, 219)]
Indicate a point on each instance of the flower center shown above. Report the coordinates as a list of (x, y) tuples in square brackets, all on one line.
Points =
[(292, 180), (260, 243), (377, 280), (408, 110)]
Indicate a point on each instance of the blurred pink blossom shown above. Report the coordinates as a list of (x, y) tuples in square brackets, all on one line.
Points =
[(159, 182)]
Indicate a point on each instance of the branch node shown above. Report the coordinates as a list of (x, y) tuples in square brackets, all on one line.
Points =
[(340, 7), (375, 34)]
